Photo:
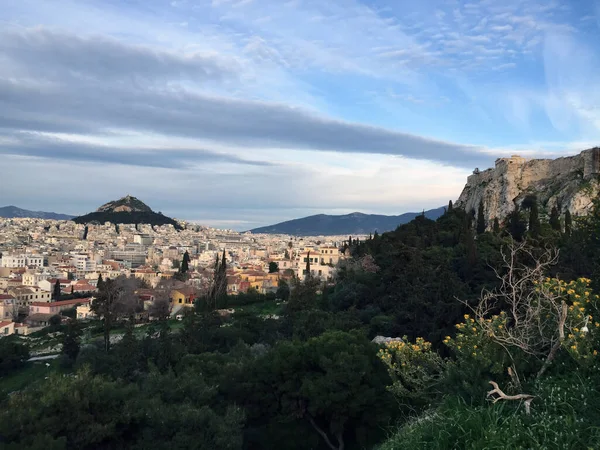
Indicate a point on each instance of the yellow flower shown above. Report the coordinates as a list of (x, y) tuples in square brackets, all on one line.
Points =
[(500, 326), (574, 347), (474, 330), (595, 352), (474, 353), (576, 330), (474, 346), (466, 316), (571, 336)]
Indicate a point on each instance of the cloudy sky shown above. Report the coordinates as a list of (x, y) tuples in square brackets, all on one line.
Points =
[(240, 113)]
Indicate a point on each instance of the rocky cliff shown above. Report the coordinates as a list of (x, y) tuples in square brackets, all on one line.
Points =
[(570, 183)]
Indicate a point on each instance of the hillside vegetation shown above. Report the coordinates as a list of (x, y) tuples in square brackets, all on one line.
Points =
[(516, 306)]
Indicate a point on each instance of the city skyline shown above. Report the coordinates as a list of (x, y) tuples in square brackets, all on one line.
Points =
[(241, 113)]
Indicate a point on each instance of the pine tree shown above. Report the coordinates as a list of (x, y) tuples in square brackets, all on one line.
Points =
[(555, 219), (568, 223), (56, 293), (480, 219)]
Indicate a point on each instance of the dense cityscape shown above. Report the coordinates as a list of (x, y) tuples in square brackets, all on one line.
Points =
[(38, 254)]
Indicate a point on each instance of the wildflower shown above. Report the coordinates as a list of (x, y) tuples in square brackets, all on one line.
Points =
[(595, 352)]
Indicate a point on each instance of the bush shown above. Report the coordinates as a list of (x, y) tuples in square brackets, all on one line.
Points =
[(13, 354), (567, 418)]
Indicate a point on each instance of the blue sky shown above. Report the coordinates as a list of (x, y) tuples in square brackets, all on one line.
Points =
[(241, 113)]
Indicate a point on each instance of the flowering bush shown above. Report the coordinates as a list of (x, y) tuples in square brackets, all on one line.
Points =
[(534, 330), (582, 331), (414, 369)]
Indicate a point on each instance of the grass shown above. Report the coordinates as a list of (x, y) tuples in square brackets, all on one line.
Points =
[(30, 373), (565, 414)]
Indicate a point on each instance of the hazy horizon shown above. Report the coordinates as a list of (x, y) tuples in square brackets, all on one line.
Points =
[(252, 112)]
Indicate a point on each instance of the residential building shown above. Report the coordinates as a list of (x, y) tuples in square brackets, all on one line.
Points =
[(7, 328)]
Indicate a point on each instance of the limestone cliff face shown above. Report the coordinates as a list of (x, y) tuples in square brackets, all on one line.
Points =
[(570, 183)]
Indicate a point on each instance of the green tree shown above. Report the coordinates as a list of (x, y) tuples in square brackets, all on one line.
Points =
[(480, 218), (555, 219), (70, 344), (568, 223), (496, 226), (335, 382), (450, 206), (115, 299), (535, 227), (516, 226), (13, 354), (185, 263), (283, 290), (56, 291), (273, 267)]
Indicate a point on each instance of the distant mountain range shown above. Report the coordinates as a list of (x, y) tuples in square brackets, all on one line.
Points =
[(348, 224), (127, 210), (13, 212)]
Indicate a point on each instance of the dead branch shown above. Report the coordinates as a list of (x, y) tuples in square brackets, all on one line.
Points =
[(527, 398)]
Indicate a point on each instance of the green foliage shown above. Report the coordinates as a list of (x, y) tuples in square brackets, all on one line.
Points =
[(516, 226), (283, 290), (568, 223), (13, 355), (87, 411), (335, 382), (564, 415), (273, 267), (555, 219), (415, 371), (133, 217), (480, 218), (70, 344)]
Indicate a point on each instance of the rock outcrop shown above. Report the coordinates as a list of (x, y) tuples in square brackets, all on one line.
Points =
[(570, 183)]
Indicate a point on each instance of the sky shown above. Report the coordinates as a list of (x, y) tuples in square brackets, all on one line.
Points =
[(242, 113)]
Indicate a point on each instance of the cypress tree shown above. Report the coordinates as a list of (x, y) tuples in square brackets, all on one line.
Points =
[(535, 227), (56, 292), (100, 283), (185, 263), (516, 227), (480, 219), (555, 219), (568, 223), (496, 226), (450, 206), (308, 265)]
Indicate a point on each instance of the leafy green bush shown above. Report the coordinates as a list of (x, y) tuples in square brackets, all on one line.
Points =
[(565, 414)]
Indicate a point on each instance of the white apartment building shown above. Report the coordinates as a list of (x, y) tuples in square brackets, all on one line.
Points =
[(15, 261), (83, 263)]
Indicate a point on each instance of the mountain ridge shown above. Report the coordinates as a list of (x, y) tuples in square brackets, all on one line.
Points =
[(344, 224), (14, 212)]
